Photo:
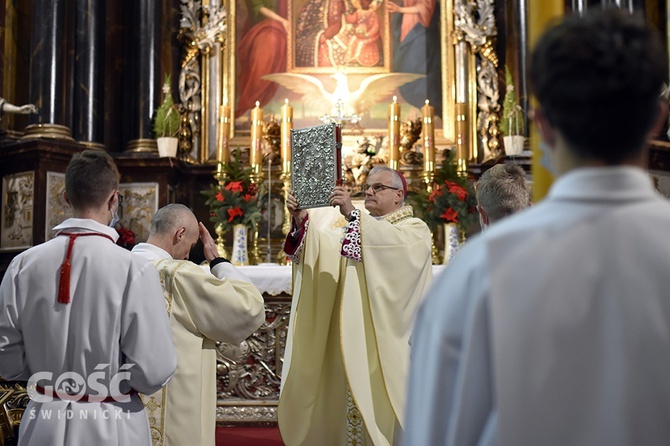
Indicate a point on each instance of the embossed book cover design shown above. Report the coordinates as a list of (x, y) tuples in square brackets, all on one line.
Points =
[(316, 153)]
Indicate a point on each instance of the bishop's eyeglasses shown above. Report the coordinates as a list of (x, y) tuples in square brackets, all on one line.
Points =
[(378, 187)]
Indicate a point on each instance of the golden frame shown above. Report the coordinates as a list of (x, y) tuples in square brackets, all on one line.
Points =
[(445, 136), (468, 77)]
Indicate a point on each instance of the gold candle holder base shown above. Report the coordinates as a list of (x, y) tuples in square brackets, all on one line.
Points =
[(257, 175), (428, 178), (434, 253), (255, 254), (220, 241)]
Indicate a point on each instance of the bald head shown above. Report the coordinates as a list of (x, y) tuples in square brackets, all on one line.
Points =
[(174, 228), (171, 217)]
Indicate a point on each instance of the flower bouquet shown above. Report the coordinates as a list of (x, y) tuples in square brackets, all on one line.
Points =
[(451, 203), (451, 200), (234, 200), (126, 237)]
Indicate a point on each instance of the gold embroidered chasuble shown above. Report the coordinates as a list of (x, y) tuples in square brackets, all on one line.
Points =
[(349, 332), (202, 309)]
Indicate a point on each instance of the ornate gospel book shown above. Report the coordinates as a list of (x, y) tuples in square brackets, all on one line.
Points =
[(316, 166)]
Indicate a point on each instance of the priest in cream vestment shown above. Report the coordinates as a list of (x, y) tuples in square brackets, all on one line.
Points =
[(354, 297), (203, 308)]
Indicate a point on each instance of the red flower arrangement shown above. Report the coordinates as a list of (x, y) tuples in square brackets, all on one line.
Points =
[(452, 199), (126, 237), (235, 200)]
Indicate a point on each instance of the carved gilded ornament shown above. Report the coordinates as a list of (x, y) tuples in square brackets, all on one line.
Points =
[(475, 24)]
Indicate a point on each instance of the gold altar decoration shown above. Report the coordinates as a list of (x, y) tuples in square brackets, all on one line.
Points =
[(223, 143), (286, 126), (256, 147), (13, 402), (285, 177), (428, 137), (203, 27), (394, 134), (476, 87), (220, 232)]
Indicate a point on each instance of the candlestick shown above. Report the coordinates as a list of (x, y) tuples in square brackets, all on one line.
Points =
[(223, 143), (462, 143), (394, 133), (256, 137), (286, 126), (428, 135)]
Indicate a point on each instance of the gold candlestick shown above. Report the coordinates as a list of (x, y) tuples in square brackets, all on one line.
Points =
[(256, 154), (223, 139), (220, 240), (462, 142), (285, 178), (255, 254), (286, 126), (394, 134), (428, 137)]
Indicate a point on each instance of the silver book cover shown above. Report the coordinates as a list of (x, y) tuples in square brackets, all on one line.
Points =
[(315, 164)]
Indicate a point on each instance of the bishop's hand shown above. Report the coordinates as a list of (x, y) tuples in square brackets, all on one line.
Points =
[(340, 197), (293, 207)]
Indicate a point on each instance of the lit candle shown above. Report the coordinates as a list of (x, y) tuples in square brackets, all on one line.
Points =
[(256, 135), (286, 126), (223, 152), (394, 134), (428, 133)]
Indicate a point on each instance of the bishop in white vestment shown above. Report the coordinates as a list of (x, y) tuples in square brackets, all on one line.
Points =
[(354, 297)]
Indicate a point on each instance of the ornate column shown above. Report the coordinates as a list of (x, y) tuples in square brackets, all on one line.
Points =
[(88, 72), (204, 81), (476, 92), (520, 13), (147, 78), (48, 90)]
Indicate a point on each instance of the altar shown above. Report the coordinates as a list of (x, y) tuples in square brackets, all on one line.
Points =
[(249, 375)]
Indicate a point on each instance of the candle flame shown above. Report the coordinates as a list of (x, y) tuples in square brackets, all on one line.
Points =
[(395, 98), (258, 104), (286, 101), (427, 102)]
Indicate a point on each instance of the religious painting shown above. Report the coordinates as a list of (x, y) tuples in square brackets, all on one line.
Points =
[(18, 196), (57, 209), (338, 34), (140, 203), (341, 56)]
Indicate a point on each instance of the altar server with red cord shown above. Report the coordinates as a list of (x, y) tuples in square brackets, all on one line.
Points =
[(83, 321), (354, 297), (553, 327)]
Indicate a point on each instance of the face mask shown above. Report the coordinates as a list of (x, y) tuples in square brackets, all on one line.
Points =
[(546, 153), (546, 160), (115, 217), (482, 225)]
